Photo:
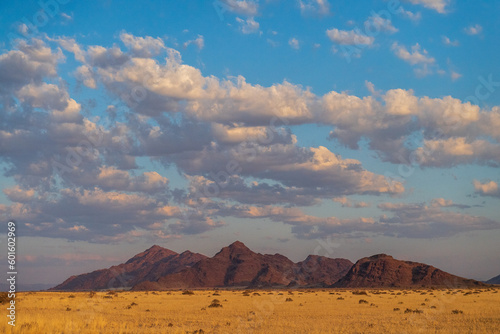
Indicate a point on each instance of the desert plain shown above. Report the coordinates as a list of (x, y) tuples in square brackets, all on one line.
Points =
[(260, 311)]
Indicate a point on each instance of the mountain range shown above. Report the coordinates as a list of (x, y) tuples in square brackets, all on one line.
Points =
[(236, 265)]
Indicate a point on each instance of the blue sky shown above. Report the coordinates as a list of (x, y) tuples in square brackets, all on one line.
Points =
[(371, 126)]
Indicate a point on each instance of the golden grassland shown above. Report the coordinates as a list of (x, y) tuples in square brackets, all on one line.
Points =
[(259, 311)]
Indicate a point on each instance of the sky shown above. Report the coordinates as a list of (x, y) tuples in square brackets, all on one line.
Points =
[(336, 128)]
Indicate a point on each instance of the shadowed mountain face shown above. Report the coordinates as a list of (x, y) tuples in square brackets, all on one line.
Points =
[(385, 271), (149, 265), (238, 266), (494, 280)]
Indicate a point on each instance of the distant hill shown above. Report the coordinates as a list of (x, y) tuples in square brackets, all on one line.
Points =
[(494, 280), (382, 271), (238, 266), (149, 265)]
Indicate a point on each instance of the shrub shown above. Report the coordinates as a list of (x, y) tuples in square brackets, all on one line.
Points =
[(396, 309), (289, 300), (187, 292), (359, 293), (457, 312), (215, 303), (362, 301), (4, 297), (409, 310)]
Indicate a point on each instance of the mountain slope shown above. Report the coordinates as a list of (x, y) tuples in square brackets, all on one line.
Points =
[(382, 270), (494, 280), (149, 265), (237, 265)]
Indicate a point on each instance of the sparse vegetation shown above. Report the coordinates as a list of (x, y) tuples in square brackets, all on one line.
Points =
[(176, 312), (4, 297)]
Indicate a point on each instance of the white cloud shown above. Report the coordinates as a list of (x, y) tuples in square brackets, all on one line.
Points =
[(473, 29), (349, 37), (416, 56), (455, 75), (410, 15), (488, 188), (248, 26), (145, 47), (294, 43), (413, 57), (437, 5), (314, 7), (448, 42), (242, 7), (233, 121), (377, 23), (198, 41)]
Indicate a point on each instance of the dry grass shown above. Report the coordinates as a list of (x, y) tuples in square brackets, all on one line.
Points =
[(311, 311)]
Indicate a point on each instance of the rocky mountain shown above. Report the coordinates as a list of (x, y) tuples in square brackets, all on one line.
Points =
[(238, 266), (494, 280), (382, 271), (149, 265)]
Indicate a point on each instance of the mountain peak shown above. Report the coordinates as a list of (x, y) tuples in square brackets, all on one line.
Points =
[(380, 256), (154, 248), (237, 244)]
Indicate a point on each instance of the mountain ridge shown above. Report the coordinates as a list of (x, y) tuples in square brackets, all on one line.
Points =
[(236, 265)]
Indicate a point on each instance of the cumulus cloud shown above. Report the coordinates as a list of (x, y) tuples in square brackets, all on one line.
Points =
[(314, 7), (349, 37), (473, 29), (199, 42), (241, 7), (248, 26), (377, 23), (74, 175), (294, 43), (447, 41), (410, 15), (144, 47), (417, 57), (487, 188), (347, 203), (437, 5)]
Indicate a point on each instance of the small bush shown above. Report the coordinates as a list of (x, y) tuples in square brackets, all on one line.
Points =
[(409, 310), (68, 309), (359, 293), (396, 309), (362, 301), (289, 300), (187, 292), (457, 312), (71, 296), (4, 297), (340, 298), (215, 303), (92, 294)]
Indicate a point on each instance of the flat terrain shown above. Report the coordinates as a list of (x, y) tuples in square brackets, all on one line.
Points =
[(259, 311)]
